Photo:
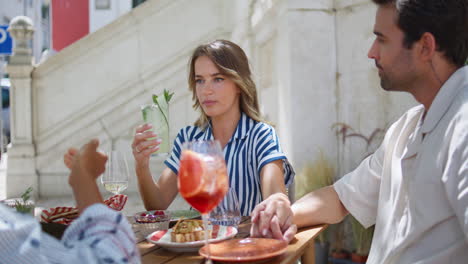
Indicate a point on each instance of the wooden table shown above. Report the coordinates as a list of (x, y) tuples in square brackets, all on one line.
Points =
[(301, 247)]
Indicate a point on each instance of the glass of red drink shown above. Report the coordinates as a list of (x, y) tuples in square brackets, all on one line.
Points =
[(202, 178)]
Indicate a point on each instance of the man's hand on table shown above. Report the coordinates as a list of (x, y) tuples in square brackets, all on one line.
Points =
[(273, 218)]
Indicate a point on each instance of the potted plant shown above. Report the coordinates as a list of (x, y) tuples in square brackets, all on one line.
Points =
[(313, 176), (362, 240), (362, 237), (338, 250), (23, 204)]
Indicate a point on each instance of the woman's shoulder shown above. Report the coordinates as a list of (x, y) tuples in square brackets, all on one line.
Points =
[(262, 127), (190, 133)]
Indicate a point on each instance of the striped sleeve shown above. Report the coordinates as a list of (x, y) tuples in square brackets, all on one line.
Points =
[(99, 235), (103, 234), (185, 134), (268, 149)]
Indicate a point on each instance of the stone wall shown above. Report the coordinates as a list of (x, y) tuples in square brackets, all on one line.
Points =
[(312, 69), (361, 102)]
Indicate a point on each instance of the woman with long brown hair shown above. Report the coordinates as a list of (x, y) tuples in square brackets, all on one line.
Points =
[(226, 97)]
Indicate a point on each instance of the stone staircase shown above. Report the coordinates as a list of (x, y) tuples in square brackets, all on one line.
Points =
[(94, 87)]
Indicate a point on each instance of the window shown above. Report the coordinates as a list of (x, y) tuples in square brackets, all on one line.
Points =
[(102, 4), (135, 3)]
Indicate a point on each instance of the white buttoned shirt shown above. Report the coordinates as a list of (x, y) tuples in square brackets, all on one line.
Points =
[(414, 188)]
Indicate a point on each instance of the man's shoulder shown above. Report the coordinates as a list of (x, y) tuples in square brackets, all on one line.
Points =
[(415, 110), (460, 104), (456, 116), (410, 114), (459, 113)]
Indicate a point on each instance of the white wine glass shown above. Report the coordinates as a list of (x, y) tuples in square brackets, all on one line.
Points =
[(115, 178)]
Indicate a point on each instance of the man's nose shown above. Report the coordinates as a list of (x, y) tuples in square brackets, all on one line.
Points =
[(373, 54)]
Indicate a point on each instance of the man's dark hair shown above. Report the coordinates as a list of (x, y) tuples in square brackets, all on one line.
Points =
[(446, 20)]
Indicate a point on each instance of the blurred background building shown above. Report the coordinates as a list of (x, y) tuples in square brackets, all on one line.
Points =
[(309, 60), (37, 10)]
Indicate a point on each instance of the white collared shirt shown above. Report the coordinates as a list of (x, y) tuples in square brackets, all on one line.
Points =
[(414, 188)]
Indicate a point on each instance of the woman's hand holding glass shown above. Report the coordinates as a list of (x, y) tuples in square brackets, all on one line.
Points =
[(144, 143)]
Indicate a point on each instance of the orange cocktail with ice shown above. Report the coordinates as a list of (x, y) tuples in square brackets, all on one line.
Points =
[(202, 178)]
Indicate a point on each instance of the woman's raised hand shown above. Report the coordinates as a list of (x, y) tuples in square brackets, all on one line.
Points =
[(143, 146)]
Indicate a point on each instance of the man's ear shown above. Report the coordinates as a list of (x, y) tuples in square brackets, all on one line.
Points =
[(428, 46)]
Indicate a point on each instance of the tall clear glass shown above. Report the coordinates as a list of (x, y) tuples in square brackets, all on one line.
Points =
[(202, 179), (227, 213), (159, 118), (115, 178)]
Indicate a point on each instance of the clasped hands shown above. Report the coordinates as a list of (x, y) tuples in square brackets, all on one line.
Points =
[(273, 218)]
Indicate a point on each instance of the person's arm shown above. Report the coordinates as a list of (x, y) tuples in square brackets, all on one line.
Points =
[(155, 196), (275, 217), (455, 179), (99, 235), (272, 179), (273, 167), (319, 207), (86, 165), (357, 191)]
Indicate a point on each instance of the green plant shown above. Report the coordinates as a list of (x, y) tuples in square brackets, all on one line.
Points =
[(338, 246), (313, 176), (163, 103), (24, 205), (362, 237)]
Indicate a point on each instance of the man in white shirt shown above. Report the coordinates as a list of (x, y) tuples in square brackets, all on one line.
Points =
[(414, 188), (99, 235)]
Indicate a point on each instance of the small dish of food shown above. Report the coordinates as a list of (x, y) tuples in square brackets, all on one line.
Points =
[(151, 221), (189, 236)]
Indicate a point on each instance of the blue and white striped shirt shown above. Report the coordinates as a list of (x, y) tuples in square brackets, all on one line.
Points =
[(253, 145), (99, 235)]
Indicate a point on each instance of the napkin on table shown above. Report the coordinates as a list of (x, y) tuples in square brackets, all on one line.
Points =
[(66, 215)]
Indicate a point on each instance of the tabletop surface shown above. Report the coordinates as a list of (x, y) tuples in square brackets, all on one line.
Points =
[(154, 254)]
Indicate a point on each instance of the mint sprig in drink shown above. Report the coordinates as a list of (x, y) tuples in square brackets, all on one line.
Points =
[(157, 114)]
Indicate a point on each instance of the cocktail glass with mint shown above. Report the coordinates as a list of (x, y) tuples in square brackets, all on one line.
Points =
[(157, 114)]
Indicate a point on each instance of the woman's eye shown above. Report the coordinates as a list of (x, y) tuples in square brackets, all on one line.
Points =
[(199, 81), (218, 79)]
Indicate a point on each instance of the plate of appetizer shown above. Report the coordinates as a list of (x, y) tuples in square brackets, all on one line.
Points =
[(189, 235)]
